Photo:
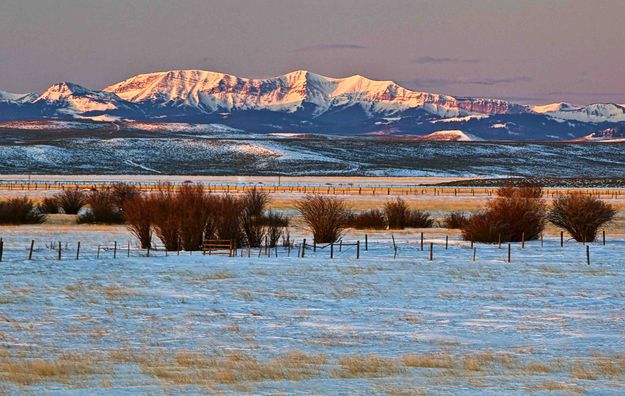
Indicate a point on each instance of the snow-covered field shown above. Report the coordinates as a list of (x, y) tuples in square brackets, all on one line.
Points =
[(266, 325)]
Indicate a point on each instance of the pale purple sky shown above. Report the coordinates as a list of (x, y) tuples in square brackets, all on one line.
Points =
[(527, 51)]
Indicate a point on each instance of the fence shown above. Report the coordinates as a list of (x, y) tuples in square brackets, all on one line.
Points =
[(383, 249), (327, 189)]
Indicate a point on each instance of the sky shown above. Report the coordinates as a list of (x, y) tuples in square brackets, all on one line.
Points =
[(526, 51)]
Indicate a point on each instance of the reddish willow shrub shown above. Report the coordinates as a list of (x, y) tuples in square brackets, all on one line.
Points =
[(20, 211), (325, 216), (71, 200), (516, 213), (581, 215), (370, 219), (399, 216)]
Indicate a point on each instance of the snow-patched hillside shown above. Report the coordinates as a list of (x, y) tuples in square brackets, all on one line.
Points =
[(609, 135), (449, 136), (210, 92), (598, 112)]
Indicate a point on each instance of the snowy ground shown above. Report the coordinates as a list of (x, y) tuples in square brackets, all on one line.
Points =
[(266, 325), (228, 153)]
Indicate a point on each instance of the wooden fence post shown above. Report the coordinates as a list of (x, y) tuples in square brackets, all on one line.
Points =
[(588, 254), (115, 250), (98, 256), (78, 251), (431, 251), (499, 244), (128, 248), (474, 253), (304, 248), (509, 255), (366, 243), (331, 249), (357, 250), (59, 255), (523, 240), (603, 237), (446, 241), (421, 241), (561, 238), (1, 248), (30, 253)]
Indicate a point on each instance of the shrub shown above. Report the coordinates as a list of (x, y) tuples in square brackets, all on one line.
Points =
[(20, 211), (138, 212), (252, 221), (455, 220), (397, 214), (481, 227), (195, 209), (581, 215), (71, 200), (228, 211), (255, 202), (123, 192), (419, 219), (166, 216), (49, 205), (372, 219), (103, 208), (325, 216), (516, 213), (275, 225)]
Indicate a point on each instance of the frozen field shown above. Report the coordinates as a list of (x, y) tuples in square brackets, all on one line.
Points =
[(547, 322)]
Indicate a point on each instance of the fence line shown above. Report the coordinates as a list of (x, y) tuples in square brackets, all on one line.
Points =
[(57, 251)]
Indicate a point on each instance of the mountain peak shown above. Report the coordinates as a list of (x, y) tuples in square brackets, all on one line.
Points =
[(62, 90)]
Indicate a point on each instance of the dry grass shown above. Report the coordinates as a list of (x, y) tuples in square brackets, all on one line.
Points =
[(433, 360), (553, 386), (368, 366), (117, 292), (64, 369), (240, 371)]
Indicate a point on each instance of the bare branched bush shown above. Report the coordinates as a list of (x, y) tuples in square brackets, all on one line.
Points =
[(399, 216), (20, 211), (123, 192), (325, 216), (370, 219), (228, 218), (275, 225), (254, 203), (419, 219), (166, 216), (455, 220), (481, 227), (581, 215), (138, 213), (397, 213), (516, 213), (195, 209), (49, 205), (71, 200), (102, 208)]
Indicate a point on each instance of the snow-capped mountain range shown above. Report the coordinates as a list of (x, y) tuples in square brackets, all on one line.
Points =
[(304, 102)]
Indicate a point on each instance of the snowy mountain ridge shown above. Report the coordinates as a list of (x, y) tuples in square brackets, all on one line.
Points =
[(305, 102)]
